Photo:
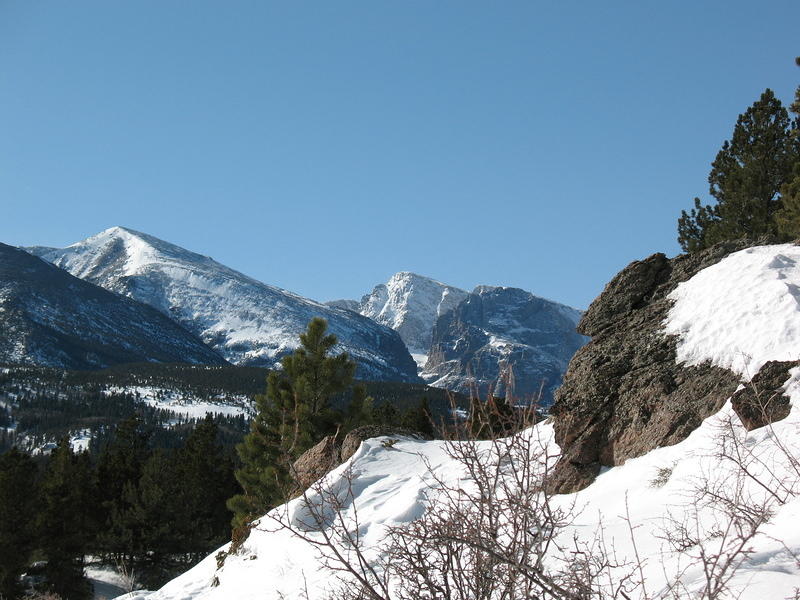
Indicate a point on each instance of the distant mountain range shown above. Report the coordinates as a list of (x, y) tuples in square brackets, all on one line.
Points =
[(460, 341), (496, 339), (244, 320)]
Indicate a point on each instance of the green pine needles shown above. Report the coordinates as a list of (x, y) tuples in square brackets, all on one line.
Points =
[(746, 180), (292, 415)]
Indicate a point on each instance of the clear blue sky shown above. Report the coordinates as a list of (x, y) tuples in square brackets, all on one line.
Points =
[(323, 146)]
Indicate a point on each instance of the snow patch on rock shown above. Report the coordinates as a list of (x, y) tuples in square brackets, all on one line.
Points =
[(741, 312)]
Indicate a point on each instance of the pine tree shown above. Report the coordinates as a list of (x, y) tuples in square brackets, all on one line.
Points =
[(419, 418), (18, 507), (788, 218), (490, 419), (386, 414), (280, 425), (745, 179), (65, 521), (205, 476), (360, 409), (795, 107), (118, 471), (291, 417), (150, 523), (315, 376)]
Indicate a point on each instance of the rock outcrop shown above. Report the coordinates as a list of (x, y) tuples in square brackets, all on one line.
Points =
[(624, 393), (761, 401), (329, 453)]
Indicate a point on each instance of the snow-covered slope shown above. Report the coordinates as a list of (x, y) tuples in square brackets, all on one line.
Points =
[(410, 304), (50, 318), (633, 508), (246, 321)]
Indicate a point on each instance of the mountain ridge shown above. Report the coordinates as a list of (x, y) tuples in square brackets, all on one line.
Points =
[(246, 321), (52, 318)]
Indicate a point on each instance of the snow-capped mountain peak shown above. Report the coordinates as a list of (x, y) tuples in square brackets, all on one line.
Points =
[(410, 304), (247, 321)]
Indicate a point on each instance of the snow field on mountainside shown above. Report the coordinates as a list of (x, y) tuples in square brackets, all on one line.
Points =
[(739, 313)]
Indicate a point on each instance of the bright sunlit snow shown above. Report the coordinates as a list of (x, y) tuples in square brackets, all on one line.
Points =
[(741, 312)]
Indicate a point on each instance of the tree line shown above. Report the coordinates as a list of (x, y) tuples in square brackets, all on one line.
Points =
[(147, 511)]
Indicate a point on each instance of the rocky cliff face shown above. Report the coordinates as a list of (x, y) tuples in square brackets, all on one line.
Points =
[(624, 392), (498, 330), (50, 318), (410, 304)]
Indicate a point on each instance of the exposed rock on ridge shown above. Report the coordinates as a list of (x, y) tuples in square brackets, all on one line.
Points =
[(762, 401), (497, 328), (328, 453), (624, 394), (409, 304)]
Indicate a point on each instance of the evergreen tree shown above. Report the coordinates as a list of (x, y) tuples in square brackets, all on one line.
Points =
[(280, 425), (18, 508), (788, 218), (359, 410), (150, 523), (315, 376), (419, 418), (118, 471), (291, 417), (65, 521), (745, 179), (205, 475), (491, 419), (386, 414)]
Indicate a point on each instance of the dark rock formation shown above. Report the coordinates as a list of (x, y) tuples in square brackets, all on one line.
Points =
[(623, 394), (761, 401), (316, 462), (353, 439)]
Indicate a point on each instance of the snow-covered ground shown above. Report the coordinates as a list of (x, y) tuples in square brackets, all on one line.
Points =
[(184, 403), (106, 581), (740, 313)]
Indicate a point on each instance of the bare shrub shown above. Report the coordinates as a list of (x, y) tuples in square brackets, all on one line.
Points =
[(493, 531)]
